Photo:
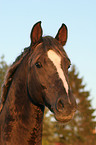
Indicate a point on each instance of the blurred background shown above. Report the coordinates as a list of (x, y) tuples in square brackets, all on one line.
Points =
[(16, 21)]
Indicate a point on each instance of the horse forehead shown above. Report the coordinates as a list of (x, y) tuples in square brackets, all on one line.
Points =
[(54, 57)]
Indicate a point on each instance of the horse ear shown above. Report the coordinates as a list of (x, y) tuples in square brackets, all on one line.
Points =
[(62, 35), (36, 33)]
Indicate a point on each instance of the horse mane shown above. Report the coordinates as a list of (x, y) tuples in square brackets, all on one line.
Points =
[(9, 77)]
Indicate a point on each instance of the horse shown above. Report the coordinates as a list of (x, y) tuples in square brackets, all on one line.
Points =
[(37, 78)]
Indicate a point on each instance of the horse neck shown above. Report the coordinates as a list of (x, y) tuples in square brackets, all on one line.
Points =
[(22, 120)]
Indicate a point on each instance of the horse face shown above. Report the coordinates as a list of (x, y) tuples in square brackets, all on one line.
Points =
[(48, 80)]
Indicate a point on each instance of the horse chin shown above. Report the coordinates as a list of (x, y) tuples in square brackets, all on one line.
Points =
[(62, 118)]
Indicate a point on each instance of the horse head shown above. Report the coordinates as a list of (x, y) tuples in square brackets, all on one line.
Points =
[(48, 82)]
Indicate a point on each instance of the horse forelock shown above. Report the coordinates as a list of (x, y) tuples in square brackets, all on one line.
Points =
[(52, 43)]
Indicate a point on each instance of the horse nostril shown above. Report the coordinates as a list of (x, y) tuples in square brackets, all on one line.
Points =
[(60, 105)]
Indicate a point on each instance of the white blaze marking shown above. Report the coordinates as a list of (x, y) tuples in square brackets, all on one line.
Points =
[(56, 59)]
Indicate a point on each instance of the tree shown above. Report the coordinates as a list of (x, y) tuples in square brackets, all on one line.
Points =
[(48, 128), (83, 121), (3, 69), (80, 129)]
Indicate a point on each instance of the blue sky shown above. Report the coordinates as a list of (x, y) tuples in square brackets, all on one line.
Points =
[(18, 16)]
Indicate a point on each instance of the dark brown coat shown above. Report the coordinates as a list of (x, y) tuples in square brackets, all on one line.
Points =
[(30, 84)]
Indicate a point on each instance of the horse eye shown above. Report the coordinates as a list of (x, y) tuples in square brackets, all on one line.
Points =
[(38, 64), (69, 66)]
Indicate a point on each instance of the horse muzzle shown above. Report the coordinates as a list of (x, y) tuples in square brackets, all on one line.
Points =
[(65, 109)]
